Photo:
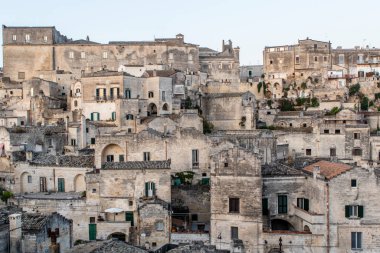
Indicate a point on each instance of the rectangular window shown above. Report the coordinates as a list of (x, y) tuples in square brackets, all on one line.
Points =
[(326, 131), (127, 93), (21, 75), (105, 55), (163, 96), (303, 203), (29, 179), (71, 55), (308, 152), (92, 219), (353, 183), (110, 158), (150, 189), (43, 185), (354, 211), (325, 58), (234, 205), (92, 140), (357, 152), (121, 158), (357, 136), (337, 131), (73, 142), (234, 233), (27, 37), (14, 37), (297, 59), (45, 38), (265, 206), (113, 116), (332, 152), (316, 58), (83, 55), (129, 217), (194, 217), (195, 157), (282, 204), (95, 116), (356, 240), (146, 156), (159, 226)]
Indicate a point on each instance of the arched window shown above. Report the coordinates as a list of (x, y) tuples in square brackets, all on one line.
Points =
[(165, 107), (77, 90), (150, 94)]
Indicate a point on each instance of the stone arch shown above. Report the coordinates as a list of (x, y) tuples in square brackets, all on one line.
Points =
[(112, 153), (279, 224), (282, 124), (79, 183), (165, 107), (152, 109), (118, 236), (304, 124), (306, 229), (24, 184)]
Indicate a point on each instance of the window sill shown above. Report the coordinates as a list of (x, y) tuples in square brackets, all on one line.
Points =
[(234, 212)]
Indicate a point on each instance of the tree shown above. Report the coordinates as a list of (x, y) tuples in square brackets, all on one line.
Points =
[(364, 104), (5, 195), (314, 102), (207, 127), (354, 89), (286, 105), (188, 103)]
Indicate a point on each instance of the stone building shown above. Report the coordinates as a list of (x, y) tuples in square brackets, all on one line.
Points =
[(236, 222), (29, 233)]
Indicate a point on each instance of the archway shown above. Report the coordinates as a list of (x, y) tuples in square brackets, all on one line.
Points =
[(118, 236), (306, 229), (165, 107), (79, 183), (112, 153), (278, 224), (152, 109)]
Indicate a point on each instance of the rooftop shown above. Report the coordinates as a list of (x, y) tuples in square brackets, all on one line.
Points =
[(279, 170), (110, 246), (43, 159), (136, 165), (54, 195), (328, 170)]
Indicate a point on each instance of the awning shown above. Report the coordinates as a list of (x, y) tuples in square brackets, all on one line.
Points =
[(114, 210)]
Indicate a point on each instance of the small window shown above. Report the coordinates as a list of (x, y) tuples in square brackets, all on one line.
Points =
[(105, 55), (121, 158), (93, 190), (308, 152), (357, 152), (130, 203), (27, 37), (146, 156), (234, 205), (194, 217), (154, 244), (92, 140), (353, 183), (270, 62), (75, 103), (303, 203), (195, 157), (315, 58), (337, 131), (129, 117), (357, 136), (354, 211), (297, 59), (163, 96), (325, 58), (332, 152), (45, 38), (73, 142), (92, 219), (160, 226), (110, 158), (356, 240), (71, 55), (127, 93), (265, 206), (129, 130), (21, 75), (234, 233), (83, 55), (315, 46), (150, 189), (14, 37), (150, 94), (326, 131), (29, 179)]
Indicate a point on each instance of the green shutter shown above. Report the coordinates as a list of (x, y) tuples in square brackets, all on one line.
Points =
[(265, 206), (347, 209), (146, 189), (92, 232), (129, 217), (306, 205), (154, 189), (361, 211), (92, 116)]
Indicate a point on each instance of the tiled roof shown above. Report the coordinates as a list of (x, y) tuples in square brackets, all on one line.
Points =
[(43, 159), (134, 165), (328, 169), (33, 221)]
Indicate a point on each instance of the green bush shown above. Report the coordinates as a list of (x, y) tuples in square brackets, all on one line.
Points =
[(286, 105), (354, 89), (314, 102), (207, 127), (364, 104), (333, 111)]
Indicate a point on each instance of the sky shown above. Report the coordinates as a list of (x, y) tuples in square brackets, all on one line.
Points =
[(250, 24)]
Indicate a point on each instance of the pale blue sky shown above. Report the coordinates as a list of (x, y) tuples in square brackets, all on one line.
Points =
[(250, 24)]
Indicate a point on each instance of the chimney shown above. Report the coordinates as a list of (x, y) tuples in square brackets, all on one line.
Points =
[(15, 224), (83, 134), (316, 171)]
